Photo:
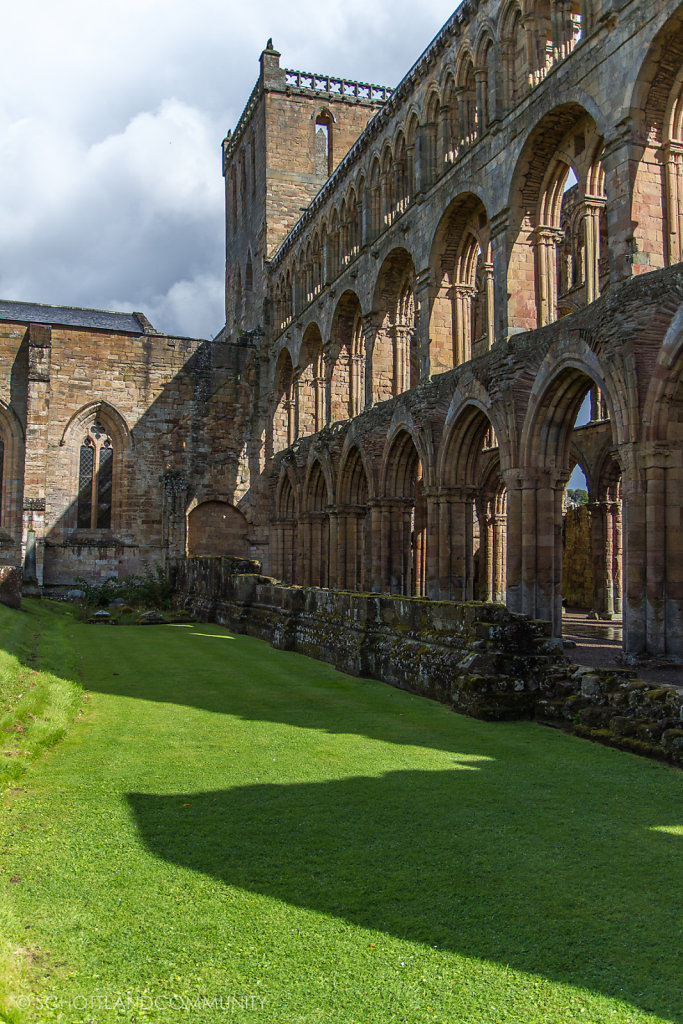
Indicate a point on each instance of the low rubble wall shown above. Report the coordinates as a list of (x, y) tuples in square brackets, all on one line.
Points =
[(481, 659)]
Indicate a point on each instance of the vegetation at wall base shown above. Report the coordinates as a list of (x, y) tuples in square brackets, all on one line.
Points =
[(229, 832)]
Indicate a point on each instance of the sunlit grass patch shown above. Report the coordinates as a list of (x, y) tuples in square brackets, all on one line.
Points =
[(228, 823)]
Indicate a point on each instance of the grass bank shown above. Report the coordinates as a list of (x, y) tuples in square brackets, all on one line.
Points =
[(234, 833)]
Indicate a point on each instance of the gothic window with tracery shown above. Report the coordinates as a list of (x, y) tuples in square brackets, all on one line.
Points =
[(95, 466)]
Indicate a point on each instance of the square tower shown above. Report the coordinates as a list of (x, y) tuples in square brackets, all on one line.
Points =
[(293, 133)]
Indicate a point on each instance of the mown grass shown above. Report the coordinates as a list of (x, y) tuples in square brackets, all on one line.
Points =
[(226, 822)]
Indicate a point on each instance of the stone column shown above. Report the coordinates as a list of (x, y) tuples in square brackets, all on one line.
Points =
[(547, 240), (500, 283), (499, 527), (432, 581), (489, 289), (655, 465), (463, 295), (673, 161), (335, 560), (593, 207), (370, 328), (515, 583), (423, 309), (35, 454), (617, 572)]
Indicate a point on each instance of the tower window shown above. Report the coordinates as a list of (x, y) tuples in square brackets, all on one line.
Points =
[(323, 143)]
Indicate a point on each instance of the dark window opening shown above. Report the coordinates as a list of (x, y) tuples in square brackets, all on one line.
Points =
[(95, 478), (323, 144)]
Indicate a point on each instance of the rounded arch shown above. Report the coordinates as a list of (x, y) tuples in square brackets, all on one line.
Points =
[(114, 422), (558, 392), (346, 359), (462, 306), (11, 470), (542, 202), (395, 357), (310, 393), (283, 402), (215, 527)]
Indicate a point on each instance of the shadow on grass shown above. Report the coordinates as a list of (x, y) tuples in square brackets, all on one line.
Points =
[(470, 861)]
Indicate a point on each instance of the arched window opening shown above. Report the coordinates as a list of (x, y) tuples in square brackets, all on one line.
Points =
[(405, 521), (451, 132), (568, 27), (475, 567), (310, 395), (468, 104), (283, 418), (317, 523), (324, 144), (406, 366), (388, 193), (95, 480), (353, 526), (249, 275), (431, 141), (541, 42), (346, 359), (515, 57), (375, 202), (401, 176), (286, 533)]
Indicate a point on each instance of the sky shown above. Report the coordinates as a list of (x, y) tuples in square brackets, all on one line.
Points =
[(111, 119)]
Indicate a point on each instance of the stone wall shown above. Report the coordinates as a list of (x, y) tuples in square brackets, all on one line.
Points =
[(480, 659)]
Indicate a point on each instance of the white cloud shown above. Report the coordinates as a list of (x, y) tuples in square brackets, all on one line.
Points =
[(111, 117)]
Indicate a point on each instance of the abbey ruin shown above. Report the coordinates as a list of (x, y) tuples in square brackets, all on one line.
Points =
[(422, 287)]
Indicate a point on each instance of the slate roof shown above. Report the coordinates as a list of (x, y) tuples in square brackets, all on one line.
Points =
[(70, 316)]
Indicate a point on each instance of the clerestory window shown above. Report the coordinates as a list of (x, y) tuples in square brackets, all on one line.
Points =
[(95, 479)]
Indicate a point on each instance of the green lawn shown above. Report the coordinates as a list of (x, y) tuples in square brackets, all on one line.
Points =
[(224, 823)]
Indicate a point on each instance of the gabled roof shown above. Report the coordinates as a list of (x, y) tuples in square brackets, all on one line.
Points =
[(71, 316)]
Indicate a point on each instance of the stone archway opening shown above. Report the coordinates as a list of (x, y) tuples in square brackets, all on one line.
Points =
[(405, 520)]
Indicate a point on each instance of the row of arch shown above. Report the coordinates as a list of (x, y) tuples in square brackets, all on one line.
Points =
[(564, 226), (477, 513), (561, 197)]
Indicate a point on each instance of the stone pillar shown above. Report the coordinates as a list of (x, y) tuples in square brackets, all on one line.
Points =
[(380, 526), (35, 465), (513, 558), (463, 297), (597, 521), (489, 289), (370, 328), (432, 582), (620, 161), (335, 559), (423, 308), (673, 160), (617, 548), (655, 464), (499, 528), (499, 262), (401, 337), (174, 492), (593, 207), (547, 240)]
